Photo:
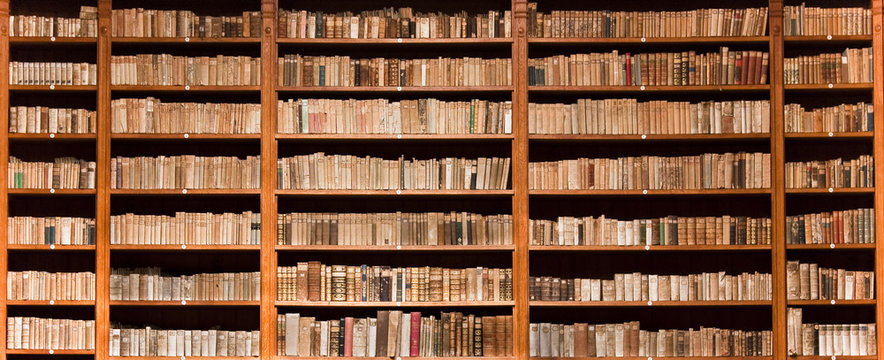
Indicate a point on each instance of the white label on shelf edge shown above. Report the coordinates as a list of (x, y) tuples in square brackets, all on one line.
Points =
[(53, 352), (186, 39), (831, 86), (829, 37), (398, 88), (51, 302), (183, 302), (52, 136), (650, 303), (642, 88), (398, 192), (186, 136), (184, 191), (398, 247), (647, 247), (833, 303), (832, 246), (183, 246), (186, 87), (398, 303), (399, 40), (831, 189), (52, 38), (52, 191), (52, 247), (51, 87), (644, 136), (399, 136), (644, 192), (643, 40)]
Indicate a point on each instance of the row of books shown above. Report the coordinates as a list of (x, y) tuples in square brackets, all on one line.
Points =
[(182, 23), (52, 73), (634, 24), (633, 117), (321, 171), (711, 286), (185, 172), (152, 284), (314, 281), (63, 173), (86, 25), (725, 67), (807, 21), (166, 70), (809, 339), (49, 334), (382, 116), (386, 229), (46, 120), (807, 281), (396, 333), (391, 23), (151, 341), (839, 118), (61, 230), (628, 340), (153, 116), (42, 285), (186, 228), (834, 173), (669, 230), (303, 70), (854, 226), (707, 171), (848, 67)]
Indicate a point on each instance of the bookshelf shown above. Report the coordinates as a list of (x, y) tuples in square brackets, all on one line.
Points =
[(523, 147)]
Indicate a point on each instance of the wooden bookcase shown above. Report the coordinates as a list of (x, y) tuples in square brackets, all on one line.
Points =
[(776, 202)]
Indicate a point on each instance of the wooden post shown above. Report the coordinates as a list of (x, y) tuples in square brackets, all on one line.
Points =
[(521, 322), (102, 186), (268, 179)]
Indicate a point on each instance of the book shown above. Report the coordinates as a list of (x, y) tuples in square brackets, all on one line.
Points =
[(63, 173), (391, 284), (49, 334), (706, 171), (52, 73), (840, 118), (186, 228), (388, 229), (808, 281), (171, 70), (804, 20), (85, 25), (853, 226), (151, 284), (185, 172), (834, 173), (852, 66), (164, 342), (152, 23), (60, 231), (42, 285), (153, 116), (46, 120), (815, 339)]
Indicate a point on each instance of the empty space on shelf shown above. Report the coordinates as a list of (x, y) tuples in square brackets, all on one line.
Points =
[(444, 260), (660, 317), (605, 265)]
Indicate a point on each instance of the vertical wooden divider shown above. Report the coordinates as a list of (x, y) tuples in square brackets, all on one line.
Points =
[(268, 179), (878, 153), (102, 177), (4, 159), (521, 321), (778, 191)]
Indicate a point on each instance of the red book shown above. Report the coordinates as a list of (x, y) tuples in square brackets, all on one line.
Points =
[(348, 336), (628, 69), (750, 79), (415, 333), (745, 66), (738, 68)]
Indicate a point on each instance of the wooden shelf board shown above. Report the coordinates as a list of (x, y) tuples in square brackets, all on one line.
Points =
[(179, 357), (394, 248), (185, 40), (825, 135), (648, 137), (46, 352), (649, 192), (186, 304), (165, 137), (48, 40), (182, 193), (72, 88), (759, 40), (654, 303), (50, 137), (811, 39), (648, 88), (372, 304), (862, 190), (839, 357), (394, 193), (829, 246), (52, 191), (829, 302), (661, 358), (396, 89), (182, 88), (388, 137), (633, 248), (825, 87), (187, 247), (54, 303), (282, 357), (403, 41), (44, 247)]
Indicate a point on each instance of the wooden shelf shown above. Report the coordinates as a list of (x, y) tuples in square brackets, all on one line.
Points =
[(62, 88), (825, 87), (822, 39), (52, 40), (231, 192), (183, 88), (394, 192), (707, 40), (395, 248), (862, 190), (649, 137), (280, 357), (697, 192), (46, 352), (184, 247), (724, 303), (188, 136), (835, 135), (41, 247), (373, 304), (50, 137), (396, 41), (398, 89), (51, 191), (188, 357), (663, 358), (829, 302), (839, 357), (388, 137), (555, 89), (634, 248), (53, 303), (185, 40), (186, 303), (829, 246)]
